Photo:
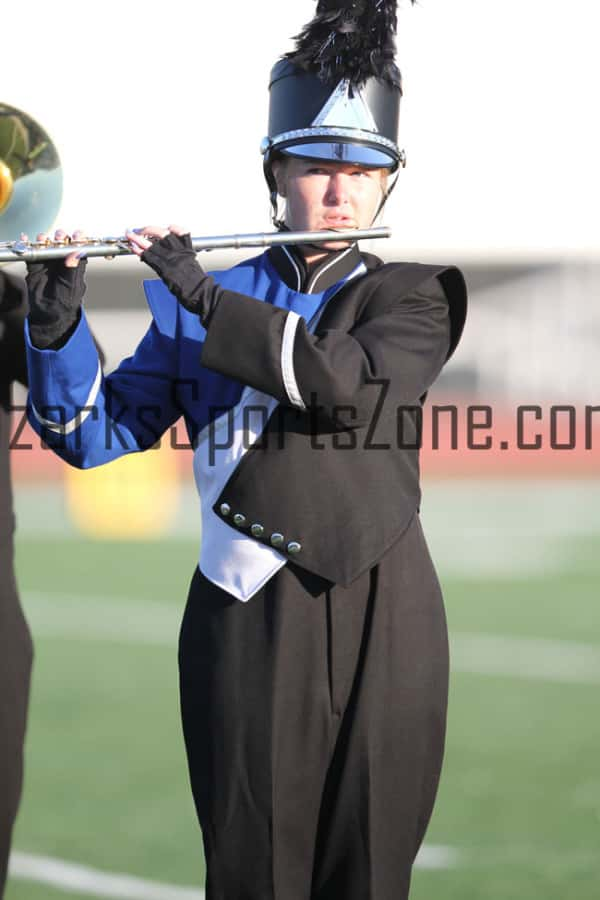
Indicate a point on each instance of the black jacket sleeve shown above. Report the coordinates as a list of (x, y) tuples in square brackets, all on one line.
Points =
[(404, 344), (13, 310)]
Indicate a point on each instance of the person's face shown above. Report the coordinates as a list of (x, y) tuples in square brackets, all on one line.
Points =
[(321, 195)]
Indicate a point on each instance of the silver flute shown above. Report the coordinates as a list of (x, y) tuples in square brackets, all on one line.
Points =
[(109, 247)]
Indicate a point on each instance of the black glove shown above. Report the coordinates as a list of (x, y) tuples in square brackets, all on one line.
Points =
[(55, 295), (174, 260)]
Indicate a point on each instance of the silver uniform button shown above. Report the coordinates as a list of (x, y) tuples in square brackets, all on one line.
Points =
[(239, 519), (225, 509), (294, 547), (257, 530), (277, 540)]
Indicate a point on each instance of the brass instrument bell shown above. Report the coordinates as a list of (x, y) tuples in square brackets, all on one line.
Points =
[(30, 176)]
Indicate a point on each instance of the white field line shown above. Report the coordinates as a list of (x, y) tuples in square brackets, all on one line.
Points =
[(122, 621), (75, 878), (432, 856), (540, 659), (113, 619)]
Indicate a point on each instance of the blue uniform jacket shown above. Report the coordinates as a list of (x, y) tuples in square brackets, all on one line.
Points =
[(336, 471), (90, 419)]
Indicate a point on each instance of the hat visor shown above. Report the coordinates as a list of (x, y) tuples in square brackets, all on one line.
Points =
[(342, 152)]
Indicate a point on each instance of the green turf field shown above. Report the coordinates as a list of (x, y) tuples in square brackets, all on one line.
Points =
[(519, 802)]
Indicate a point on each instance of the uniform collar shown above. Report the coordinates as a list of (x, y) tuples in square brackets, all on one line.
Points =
[(291, 267)]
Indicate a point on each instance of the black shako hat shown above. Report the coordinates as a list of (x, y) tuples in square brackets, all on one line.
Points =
[(336, 97)]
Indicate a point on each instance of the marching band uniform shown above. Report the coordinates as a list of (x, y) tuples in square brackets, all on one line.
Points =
[(16, 650), (313, 649)]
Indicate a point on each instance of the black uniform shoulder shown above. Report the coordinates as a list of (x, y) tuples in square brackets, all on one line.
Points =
[(390, 282), (371, 261)]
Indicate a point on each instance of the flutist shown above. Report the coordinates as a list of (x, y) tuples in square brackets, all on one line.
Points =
[(313, 649)]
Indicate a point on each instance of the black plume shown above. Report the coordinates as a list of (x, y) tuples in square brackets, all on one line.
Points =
[(353, 39)]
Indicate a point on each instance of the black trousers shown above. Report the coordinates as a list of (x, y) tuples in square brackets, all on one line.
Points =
[(314, 720), (15, 670)]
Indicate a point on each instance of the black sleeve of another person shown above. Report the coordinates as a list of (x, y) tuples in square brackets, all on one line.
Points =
[(13, 312)]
